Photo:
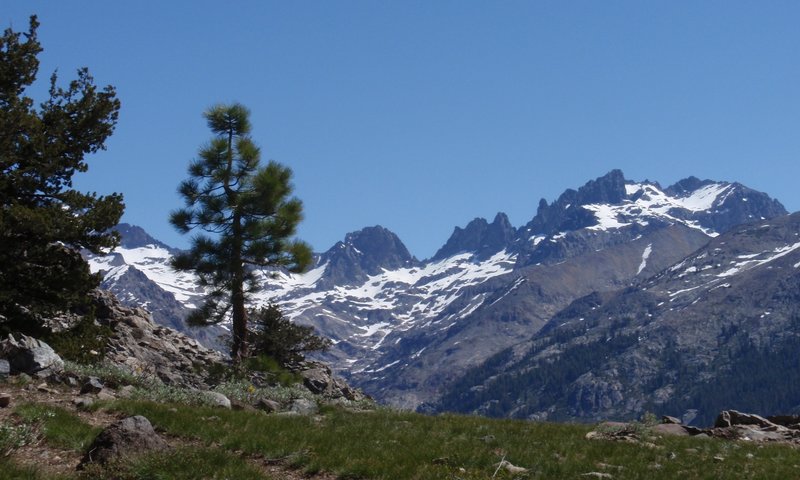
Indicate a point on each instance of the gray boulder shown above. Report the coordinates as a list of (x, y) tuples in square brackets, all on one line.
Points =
[(670, 429), (303, 406), (5, 369), (268, 405), (729, 418), (319, 380), (130, 436), (28, 355), (92, 385), (217, 399)]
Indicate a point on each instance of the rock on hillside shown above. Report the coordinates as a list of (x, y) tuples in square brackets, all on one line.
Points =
[(142, 346)]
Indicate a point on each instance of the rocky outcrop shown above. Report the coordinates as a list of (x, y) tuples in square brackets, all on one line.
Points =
[(145, 348), (562, 215), (364, 253), (28, 355), (730, 425), (319, 380), (128, 437), (479, 237)]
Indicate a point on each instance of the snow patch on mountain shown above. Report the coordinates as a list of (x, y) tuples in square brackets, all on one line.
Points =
[(645, 255), (647, 200)]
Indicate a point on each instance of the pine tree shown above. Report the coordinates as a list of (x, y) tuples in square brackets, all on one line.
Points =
[(250, 216), (277, 337), (44, 222)]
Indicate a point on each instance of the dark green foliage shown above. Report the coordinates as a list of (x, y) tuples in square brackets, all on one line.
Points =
[(79, 342), (275, 336), (250, 214), (44, 223), (277, 373), (761, 379), (543, 384)]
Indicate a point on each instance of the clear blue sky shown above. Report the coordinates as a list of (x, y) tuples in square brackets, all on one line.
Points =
[(421, 115)]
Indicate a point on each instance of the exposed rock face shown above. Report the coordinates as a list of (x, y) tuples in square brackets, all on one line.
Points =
[(31, 356), (130, 285), (141, 346), (128, 437), (564, 214), (479, 237), (319, 380), (364, 253)]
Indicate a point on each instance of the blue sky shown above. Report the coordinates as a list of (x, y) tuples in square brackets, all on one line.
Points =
[(422, 115)]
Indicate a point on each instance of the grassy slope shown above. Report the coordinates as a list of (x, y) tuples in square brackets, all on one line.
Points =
[(394, 445)]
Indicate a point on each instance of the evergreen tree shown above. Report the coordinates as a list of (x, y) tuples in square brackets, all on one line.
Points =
[(277, 337), (249, 214), (43, 221)]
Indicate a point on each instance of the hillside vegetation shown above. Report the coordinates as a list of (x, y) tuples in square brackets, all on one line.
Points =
[(45, 437)]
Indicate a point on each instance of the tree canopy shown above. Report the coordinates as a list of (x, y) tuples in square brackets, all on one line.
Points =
[(44, 222), (249, 217)]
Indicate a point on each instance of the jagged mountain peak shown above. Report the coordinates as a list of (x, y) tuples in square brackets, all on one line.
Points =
[(612, 202), (564, 214), (687, 185), (479, 237), (363, 253), (133, 236)]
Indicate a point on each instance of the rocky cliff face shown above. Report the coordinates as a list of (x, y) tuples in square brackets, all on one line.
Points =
[(404, 329), (480, 238)]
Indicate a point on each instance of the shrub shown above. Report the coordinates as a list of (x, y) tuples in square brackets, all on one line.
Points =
[(276, 336)]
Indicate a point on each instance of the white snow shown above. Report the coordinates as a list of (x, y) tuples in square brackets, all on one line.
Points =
[(703, 198), (755, 262), (653, 202), (645, 255), (607, 216), (370, 330), (537, 239)]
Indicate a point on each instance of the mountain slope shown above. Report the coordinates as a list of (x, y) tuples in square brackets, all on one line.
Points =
[(403, 328), (720, 328)]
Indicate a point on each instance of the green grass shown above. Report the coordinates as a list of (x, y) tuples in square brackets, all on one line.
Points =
[(58, 427), (181, 464), (395, 445), (9, 470), (386, 444)]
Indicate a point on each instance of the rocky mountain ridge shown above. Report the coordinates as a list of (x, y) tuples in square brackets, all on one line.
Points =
[(404, 329), (717, 330)]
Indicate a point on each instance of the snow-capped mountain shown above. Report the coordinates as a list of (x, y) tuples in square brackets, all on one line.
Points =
[(718, 329), (403, 328)]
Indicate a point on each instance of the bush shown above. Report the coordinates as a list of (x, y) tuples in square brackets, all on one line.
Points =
[(86, 342), (276, 336)]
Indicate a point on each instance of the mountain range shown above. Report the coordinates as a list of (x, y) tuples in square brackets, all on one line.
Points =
[(447, 333)]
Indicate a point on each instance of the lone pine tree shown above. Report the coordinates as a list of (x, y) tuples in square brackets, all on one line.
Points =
[(44, 222), (250, 215)]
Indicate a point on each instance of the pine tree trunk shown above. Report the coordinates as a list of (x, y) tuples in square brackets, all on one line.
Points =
[(239, 348), (239, 314), (237, 294)]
